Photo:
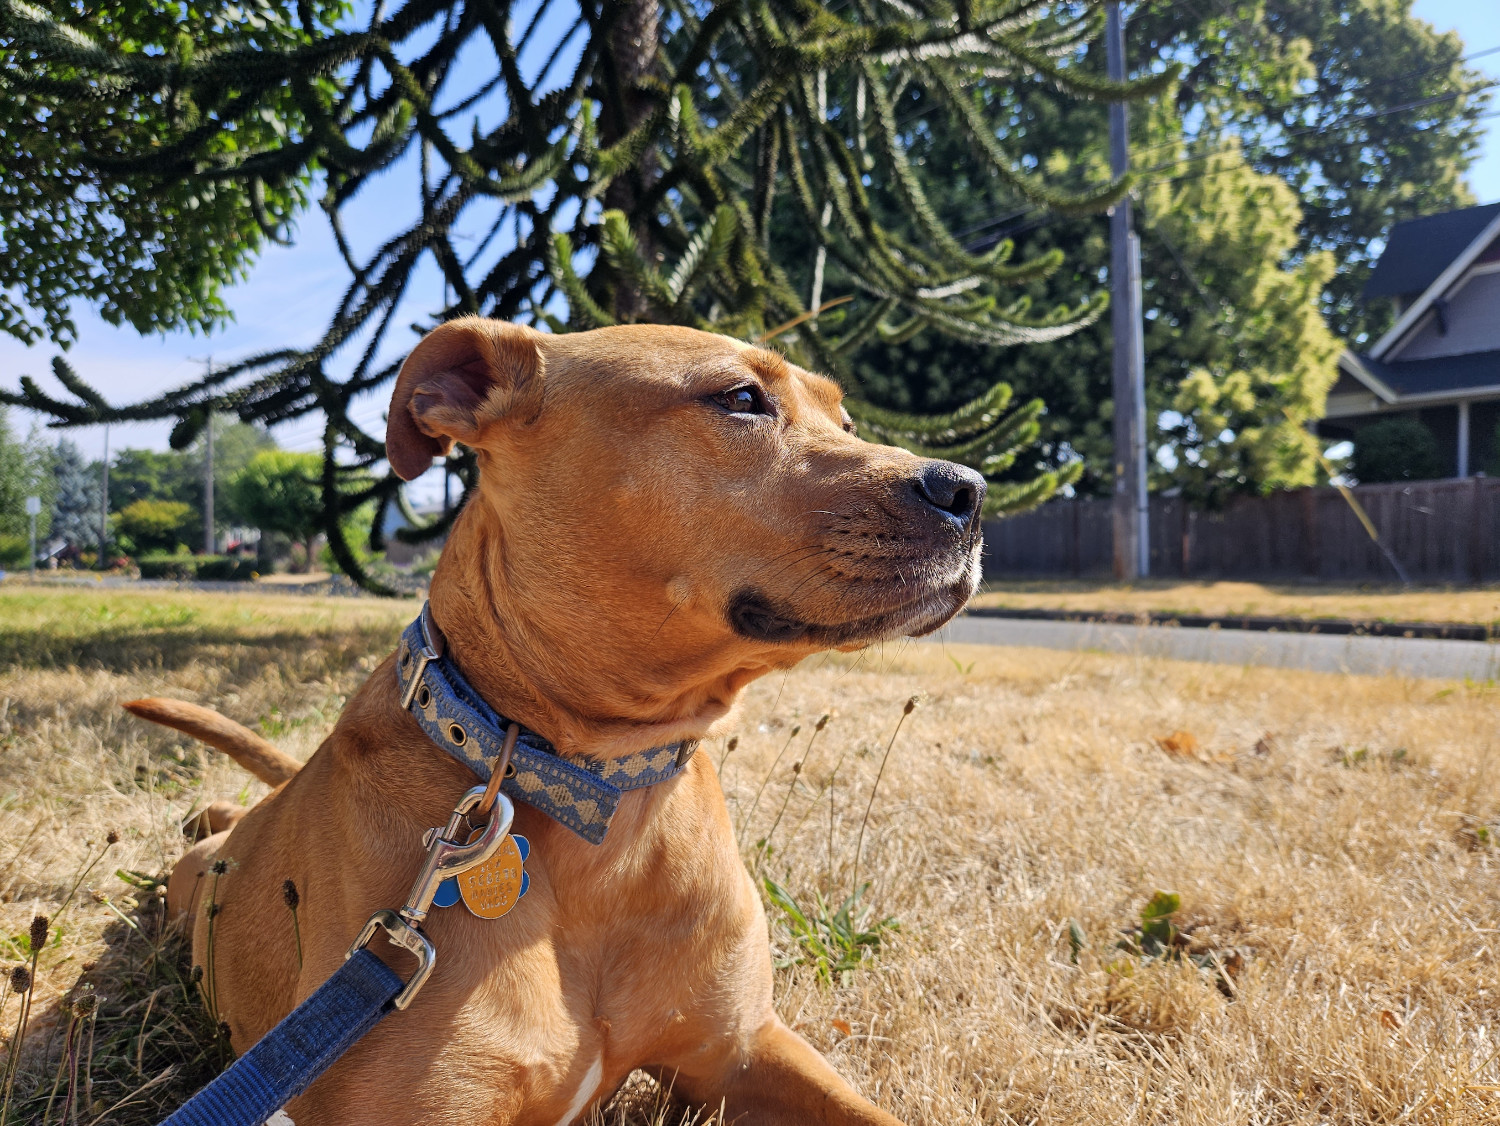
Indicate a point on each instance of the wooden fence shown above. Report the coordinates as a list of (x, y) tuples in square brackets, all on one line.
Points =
[(1439, 531)]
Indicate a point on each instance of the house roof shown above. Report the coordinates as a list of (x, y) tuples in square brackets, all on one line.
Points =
[(1419, 250), (1439, 377)]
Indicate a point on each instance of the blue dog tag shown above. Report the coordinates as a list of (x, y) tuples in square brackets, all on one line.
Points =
[(447, 893)]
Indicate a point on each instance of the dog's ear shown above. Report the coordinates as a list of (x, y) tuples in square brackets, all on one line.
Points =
[(464, 375)]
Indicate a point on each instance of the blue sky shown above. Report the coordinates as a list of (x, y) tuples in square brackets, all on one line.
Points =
[(288, 296)]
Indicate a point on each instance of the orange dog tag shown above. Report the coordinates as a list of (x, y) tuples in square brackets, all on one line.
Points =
[(491, 889)]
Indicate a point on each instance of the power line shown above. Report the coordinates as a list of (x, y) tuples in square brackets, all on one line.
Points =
[(1248, 155), (1303, 132), (1331, 126)]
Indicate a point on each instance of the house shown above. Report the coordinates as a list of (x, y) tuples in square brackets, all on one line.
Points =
[(399, 552), (1440, 362)]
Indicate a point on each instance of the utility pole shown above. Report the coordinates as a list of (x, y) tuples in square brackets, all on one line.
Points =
[(1132, 554), (33, 510), (208, 477), (104, 500)]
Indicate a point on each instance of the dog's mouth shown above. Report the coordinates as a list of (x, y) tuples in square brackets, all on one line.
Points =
[(911, 609)]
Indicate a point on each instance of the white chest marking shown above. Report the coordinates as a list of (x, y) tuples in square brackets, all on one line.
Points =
[(586, 1092)]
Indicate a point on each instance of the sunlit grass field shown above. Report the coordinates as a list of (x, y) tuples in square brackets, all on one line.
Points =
[(1101, 889), (1370, 602)]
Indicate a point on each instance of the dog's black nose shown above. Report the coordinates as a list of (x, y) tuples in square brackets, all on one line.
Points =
[(956, 491)]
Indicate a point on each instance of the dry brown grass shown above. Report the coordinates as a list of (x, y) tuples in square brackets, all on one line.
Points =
[(1480, 605), (1330, 837)]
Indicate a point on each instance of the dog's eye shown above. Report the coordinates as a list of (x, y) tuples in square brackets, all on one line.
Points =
[(746, 399)]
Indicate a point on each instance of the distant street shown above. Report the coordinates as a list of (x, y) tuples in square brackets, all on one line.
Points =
[(1370, 656)]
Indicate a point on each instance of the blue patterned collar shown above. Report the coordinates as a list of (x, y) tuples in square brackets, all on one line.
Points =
[(580, 793)]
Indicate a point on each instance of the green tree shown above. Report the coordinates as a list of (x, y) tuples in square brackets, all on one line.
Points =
[(1235, 363), (15, 479), (126, 209), (177, 475), (75, 500), (1365, 110), (647, 181), (235, 445), (153, 526), (152, 475), (1262, 357), (24, 472), (281, 491), (1238, 356)]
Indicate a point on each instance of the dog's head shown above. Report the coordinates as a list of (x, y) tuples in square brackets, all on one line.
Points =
[(696, 493)]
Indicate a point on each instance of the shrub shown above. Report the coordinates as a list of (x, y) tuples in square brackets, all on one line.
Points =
[(209, 568), (15, 552), (154, 526), (162, 566), (1396, 449), (226, 568)]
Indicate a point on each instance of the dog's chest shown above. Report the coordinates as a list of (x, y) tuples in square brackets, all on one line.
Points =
[(585, 981)]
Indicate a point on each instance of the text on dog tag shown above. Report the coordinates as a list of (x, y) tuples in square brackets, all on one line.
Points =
[(491, 889)]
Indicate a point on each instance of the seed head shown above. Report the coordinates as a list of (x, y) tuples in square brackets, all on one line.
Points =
[(84, 1002), (220, 867), (911, 706), (98, 896), (796, 727), (796, 768), (196, 975), (89, 966), (214, 909), (289, 893), (224, 1029), (823, 722), (734, 741), (112, 837), (39, 927), (20, 979)]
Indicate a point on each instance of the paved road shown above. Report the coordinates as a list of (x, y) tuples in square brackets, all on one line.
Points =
[(1319, 652)]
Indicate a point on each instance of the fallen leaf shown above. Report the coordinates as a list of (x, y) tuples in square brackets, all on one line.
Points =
[(1389, 1019), (843, 1026), (1181, 743)]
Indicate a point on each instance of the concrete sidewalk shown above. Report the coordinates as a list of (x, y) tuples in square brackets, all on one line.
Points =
[(1368, 656)]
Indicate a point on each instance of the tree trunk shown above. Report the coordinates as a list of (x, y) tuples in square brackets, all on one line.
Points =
[(634, 41)]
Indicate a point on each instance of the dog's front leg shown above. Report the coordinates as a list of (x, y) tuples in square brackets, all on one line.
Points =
[(776, 1079)]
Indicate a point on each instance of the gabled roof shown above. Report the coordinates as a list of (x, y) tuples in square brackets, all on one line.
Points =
[(1440, 287), (1419, 250), (1436, 378)]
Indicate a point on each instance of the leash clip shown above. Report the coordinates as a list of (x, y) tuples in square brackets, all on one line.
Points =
[(449, 852)]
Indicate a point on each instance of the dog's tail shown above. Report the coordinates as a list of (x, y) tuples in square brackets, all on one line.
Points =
[(260, 758)]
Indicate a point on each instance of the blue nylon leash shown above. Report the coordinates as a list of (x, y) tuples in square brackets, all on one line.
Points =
[(310, 1038), (305, 1044)]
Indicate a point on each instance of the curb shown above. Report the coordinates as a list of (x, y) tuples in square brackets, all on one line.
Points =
[(1440, 631)]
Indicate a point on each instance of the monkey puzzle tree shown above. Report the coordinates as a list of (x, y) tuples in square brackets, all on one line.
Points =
[(615, 162)]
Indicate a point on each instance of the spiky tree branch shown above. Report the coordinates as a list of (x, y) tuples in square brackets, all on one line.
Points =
[(647, 178)]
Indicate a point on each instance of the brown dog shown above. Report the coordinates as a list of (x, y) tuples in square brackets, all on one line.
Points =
[(663, 516)]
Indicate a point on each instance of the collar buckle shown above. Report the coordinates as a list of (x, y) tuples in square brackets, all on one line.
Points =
[(433, 647)]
